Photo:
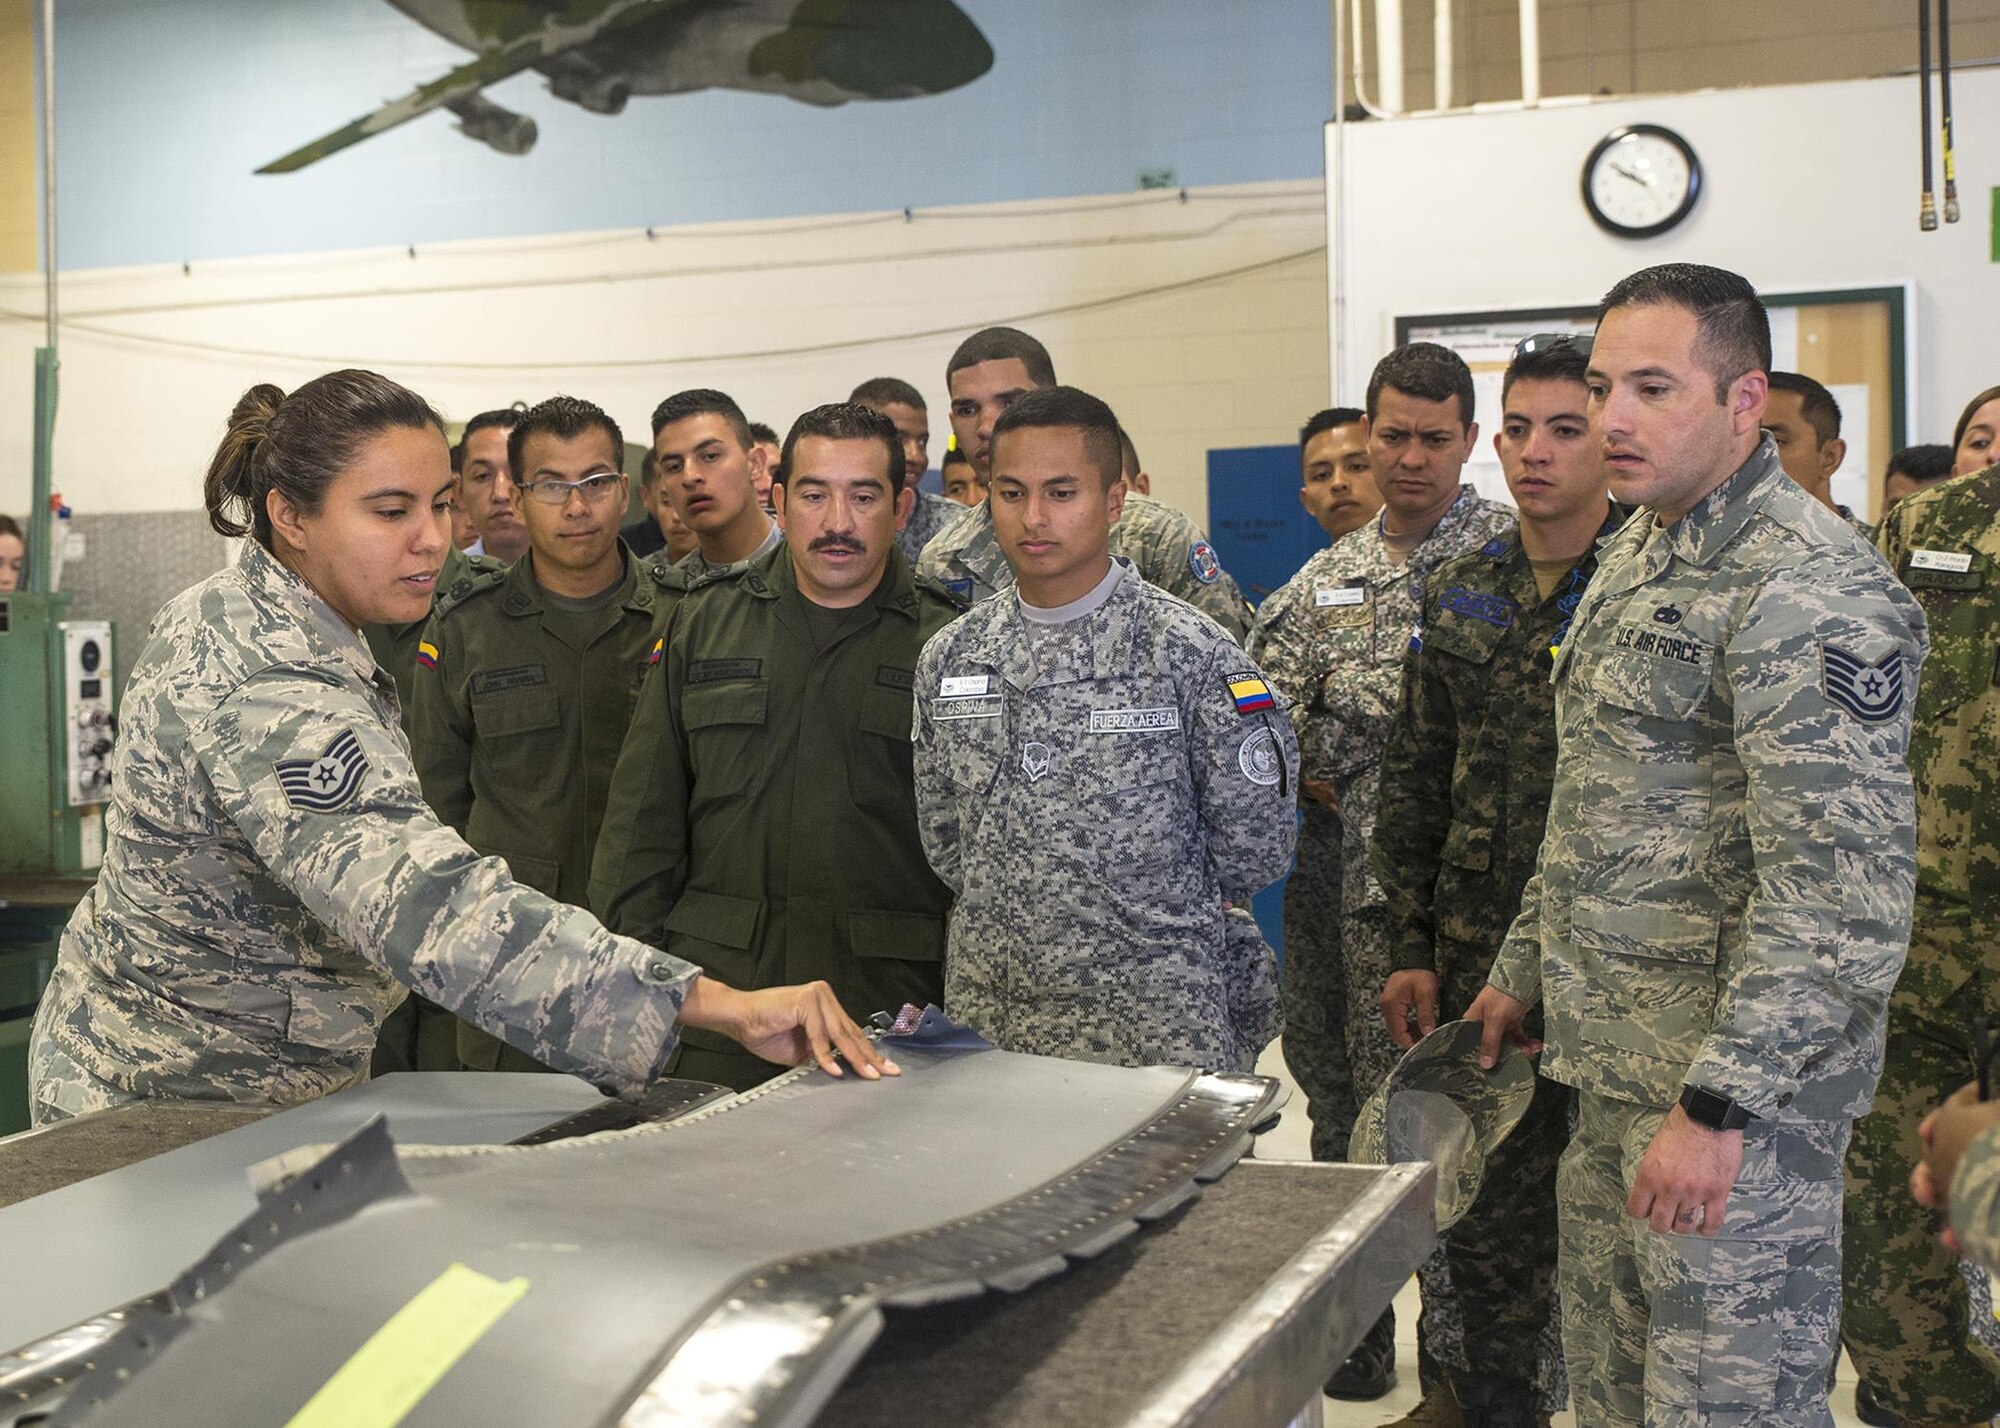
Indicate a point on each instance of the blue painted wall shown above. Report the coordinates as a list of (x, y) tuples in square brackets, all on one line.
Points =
[(166, 108)]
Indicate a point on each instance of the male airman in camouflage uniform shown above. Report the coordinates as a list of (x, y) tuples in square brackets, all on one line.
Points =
[(263, 787), (762, 819), (526, 678), (1721, 905), (991, 369), (1334, 639), (1905, 1318), (1465, 793), (1099, 767)]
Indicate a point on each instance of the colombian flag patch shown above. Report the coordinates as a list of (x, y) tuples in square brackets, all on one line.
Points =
[(1251, 694), (658, 646), (427, 654)]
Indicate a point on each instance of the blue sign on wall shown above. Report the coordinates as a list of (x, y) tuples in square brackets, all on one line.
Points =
[(1255, 520)]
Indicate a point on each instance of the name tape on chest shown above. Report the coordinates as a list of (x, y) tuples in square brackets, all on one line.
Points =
[(328, 783), (968, 706), (954, 685), (1955, 562), (1328, 597), (1134, 721), (496, 681), (1662, 644), (1479, 605), (716, 671)]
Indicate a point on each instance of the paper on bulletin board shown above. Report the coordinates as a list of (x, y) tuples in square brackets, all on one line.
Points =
[(1852, 479)]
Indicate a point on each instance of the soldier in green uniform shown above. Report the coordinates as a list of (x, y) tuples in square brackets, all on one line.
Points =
[(1906, 1316), (987, 372), (1721, 904), (1465, 795), (526, 677), (272, 877), (420, 1035), (710, 468), (763, 815)]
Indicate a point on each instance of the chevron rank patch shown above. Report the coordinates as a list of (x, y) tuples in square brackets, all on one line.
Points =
[(1870, 692), (1251, 694), (427, 654), (328, 783)]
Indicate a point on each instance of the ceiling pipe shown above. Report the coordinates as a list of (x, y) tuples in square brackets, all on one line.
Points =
[(1531, 53), (1389, 55), (1441, 52)]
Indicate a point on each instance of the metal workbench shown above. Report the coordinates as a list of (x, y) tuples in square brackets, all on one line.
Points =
[(1232, 1310)]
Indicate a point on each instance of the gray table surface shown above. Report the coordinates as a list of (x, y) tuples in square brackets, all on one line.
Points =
[(1094, 1346)]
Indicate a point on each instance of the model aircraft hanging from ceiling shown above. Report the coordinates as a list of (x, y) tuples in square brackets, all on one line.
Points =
[(599, 53)]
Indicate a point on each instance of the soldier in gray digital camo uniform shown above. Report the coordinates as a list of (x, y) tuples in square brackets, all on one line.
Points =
[(991, 369), (1334, 639), (271, 871), (1099, 767), (1722, 903)]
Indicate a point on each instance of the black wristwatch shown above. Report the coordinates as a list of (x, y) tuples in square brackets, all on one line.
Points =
[(1705, 1108)]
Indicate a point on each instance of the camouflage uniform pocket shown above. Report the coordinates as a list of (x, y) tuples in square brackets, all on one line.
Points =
[(1649, 747)]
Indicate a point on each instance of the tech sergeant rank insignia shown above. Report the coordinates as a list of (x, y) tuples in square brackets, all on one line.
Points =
[(328, 783)]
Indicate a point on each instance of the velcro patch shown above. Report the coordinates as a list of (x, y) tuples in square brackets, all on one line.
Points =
[(714, 671), (1259, 758), (1870, 692), (1479, 605), (969, 706), (328, 783), (1134, 721), (522, 676), (1251, 694)]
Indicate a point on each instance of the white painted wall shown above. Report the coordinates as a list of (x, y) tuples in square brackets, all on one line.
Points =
[(1203, 323), (1808, 187)]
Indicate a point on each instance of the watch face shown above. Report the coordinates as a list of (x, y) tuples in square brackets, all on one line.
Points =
[(1641, 180)]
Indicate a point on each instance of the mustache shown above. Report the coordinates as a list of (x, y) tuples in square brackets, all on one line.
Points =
[(838, 542)]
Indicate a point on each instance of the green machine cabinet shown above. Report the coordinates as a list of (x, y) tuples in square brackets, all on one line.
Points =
[(57, 710)]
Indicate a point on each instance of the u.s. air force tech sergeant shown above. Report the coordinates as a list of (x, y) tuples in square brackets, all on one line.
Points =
[(1099, 766), (271, 871), (989, 370), (1722, 902), (1465, 794), (710, 469), (762, 818), (1334, 639), (526, 678), (1905, 1315)]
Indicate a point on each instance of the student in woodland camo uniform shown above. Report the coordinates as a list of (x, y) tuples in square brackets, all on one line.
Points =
[(271, 871)]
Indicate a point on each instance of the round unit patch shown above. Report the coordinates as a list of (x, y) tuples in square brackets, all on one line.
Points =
[(1259, 759), (1203, 564)]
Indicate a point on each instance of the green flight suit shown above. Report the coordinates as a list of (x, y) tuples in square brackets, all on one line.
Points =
[(763, 817), (518, 723), (419, 1035)]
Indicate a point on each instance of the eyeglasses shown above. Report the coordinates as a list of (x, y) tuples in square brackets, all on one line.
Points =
[(1577, 342), (593, 488)]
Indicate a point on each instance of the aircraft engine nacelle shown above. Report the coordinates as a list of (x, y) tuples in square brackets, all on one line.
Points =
[(494, 125), (582, 83)]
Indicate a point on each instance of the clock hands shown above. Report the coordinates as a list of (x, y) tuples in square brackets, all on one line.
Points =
[(1643, 180)]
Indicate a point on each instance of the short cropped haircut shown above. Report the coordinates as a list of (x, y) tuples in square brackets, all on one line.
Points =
[(849, 421), (1129, 464), (1930, 462), (1426, 371), (953, 457), (1732, 329), (1971, 410), (1558, 362), (1071, 409), (763, 431), (999, 344), (564, 418), (506, 418), (1816, 403), (1331, 419), (649, 470), (885, 391), (703, 401)]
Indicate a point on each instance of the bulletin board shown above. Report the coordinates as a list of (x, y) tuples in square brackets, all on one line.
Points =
[(1857, 341)]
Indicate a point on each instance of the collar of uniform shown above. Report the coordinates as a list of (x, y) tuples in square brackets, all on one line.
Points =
[(981, 554), (330, 635), (1717, 518), (773, 576), (1455, 515), (1108, 638)]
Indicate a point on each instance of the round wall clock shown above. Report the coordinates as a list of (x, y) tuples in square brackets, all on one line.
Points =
[(1641, 180)]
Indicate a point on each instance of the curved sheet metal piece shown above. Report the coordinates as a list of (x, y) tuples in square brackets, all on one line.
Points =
[(724, 1268)]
